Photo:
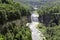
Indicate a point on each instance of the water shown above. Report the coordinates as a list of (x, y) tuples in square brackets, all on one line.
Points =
[(36, 34), (34, 17)]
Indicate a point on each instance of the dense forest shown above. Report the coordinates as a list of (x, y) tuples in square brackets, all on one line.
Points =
[(13, 19), (12, 11), (50, 24)]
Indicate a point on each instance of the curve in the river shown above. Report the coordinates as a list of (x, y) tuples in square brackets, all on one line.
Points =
[(36, 34)]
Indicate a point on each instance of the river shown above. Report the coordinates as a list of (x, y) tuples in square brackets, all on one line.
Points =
[(35, 33)]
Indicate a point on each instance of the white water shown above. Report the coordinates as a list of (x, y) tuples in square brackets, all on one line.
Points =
[(36, 34)]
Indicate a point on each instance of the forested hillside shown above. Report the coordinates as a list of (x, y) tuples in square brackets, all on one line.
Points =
[(50, 24), (12, 11), (14, 15)]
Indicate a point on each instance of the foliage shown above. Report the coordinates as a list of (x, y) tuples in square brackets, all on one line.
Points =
[(51, 32), (10, 10), (49, 10), (2, 37), (52, 13), (12, 32)]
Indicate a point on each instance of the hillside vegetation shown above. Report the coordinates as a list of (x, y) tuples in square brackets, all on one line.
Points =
[(51, 22), (11, 11)]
